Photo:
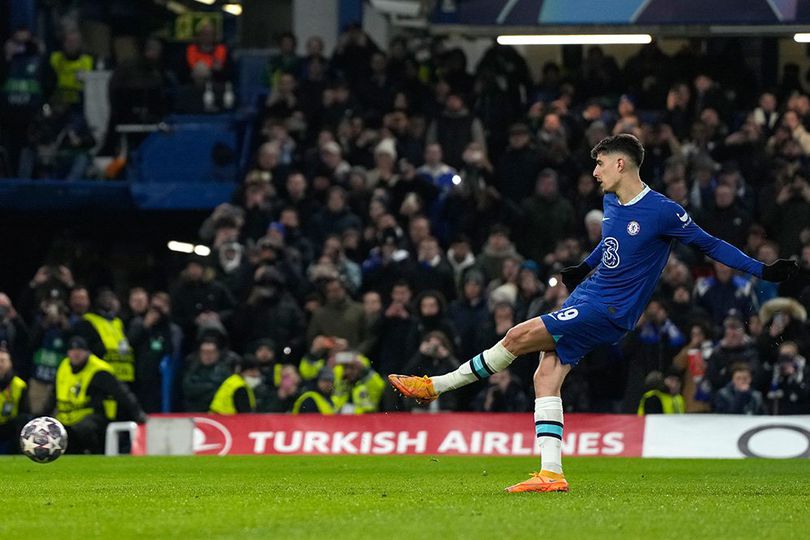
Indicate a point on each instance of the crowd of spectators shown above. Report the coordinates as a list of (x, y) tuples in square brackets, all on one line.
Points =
[(403, 211), (44, 132)]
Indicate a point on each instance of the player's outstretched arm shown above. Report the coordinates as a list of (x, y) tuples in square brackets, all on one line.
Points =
[(678, 224), (729, 255)]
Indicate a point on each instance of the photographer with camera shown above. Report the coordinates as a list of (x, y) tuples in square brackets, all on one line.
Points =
[(789, 391), (783, 319), (14, 333), (51, 281), (503, 394), (435, 356), (321, 354), (48, 343), (153, 337)]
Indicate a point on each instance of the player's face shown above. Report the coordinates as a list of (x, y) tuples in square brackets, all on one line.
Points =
[(607, 172)]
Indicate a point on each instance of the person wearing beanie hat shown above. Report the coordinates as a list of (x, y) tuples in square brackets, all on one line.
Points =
[(276, 227), (386, 147), (332, 163), (531, 266), (321, 398), (331, 147), (474, 275), (385, 172)]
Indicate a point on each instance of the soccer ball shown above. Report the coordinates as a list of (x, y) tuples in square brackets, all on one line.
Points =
[(43, 439)]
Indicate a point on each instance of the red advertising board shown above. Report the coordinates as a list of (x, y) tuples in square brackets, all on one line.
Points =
[(400, 433)]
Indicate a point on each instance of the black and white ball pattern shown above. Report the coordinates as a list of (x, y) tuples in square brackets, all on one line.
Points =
[(43, 439)]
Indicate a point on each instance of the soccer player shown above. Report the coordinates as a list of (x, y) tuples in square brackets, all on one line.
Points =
[(638, 227)]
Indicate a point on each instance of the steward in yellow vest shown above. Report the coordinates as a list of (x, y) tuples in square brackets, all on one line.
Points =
[(658, 402), (13, 404), (235, 394), (104, 332), (320, 399), (315, 360), (358, 388), (70, 65), (664, 396), (271, 373), (264, 350), (88, 396)]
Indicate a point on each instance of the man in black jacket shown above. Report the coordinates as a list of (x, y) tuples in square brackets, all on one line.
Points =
[(206, 370), (519, 166), (153, 338), (199, 301), (270, 312)]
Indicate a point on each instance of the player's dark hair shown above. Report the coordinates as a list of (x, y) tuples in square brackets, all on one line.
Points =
[(622, 143)]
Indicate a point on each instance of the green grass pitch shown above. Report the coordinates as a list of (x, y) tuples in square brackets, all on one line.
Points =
[(416, 497)]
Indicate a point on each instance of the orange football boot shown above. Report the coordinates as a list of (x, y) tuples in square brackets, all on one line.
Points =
[(541, 481), (419, 388)]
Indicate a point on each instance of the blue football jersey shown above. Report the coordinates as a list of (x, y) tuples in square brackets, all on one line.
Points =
[(635, 246)]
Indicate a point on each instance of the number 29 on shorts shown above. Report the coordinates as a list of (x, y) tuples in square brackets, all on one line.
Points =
[(565, 314)]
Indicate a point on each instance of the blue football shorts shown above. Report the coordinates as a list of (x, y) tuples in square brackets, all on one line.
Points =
[(579, 328)]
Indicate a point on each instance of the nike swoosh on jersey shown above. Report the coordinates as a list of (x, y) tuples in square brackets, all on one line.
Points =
[(684, 218), (605, 218)]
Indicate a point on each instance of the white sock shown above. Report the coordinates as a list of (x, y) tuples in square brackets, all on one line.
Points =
[(548, 424), (480, 367)]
